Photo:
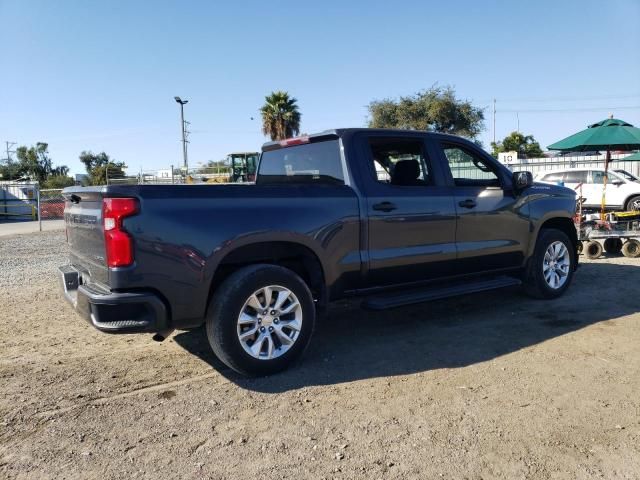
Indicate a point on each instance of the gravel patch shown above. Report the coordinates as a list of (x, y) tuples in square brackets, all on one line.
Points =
[(484, 386)]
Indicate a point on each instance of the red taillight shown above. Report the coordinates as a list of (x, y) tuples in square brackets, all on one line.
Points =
[(118, 243), (294, 141)]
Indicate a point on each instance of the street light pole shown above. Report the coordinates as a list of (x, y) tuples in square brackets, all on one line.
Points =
[(184, 133), (494, 120)]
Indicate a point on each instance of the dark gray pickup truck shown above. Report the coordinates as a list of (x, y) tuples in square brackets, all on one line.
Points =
[(395, 217)]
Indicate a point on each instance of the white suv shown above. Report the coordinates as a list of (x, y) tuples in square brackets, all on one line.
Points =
[(620, 194)]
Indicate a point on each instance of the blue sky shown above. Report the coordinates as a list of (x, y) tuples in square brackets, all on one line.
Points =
[(101, 76)]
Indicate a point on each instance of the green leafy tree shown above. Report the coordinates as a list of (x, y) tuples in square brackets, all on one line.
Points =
[(100, 165), (436, 109), (58, 181), (35, 163), (525, 145), (280, 116), (10, 171)]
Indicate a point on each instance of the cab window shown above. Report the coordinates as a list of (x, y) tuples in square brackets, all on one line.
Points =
[(579, 176), (597, 177), (399, 162), (468, 168)]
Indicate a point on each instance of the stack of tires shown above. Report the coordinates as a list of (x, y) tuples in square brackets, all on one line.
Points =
[(630, 248)]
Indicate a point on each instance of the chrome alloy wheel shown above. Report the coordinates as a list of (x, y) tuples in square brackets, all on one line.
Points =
[(269, 322), (556, 265)]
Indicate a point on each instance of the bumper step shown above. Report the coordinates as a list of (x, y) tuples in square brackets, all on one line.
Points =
[(113, 311)]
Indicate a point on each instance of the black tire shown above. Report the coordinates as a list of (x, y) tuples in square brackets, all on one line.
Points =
[(592, 250), (633, 204), (631, 248), (613, 245), (534, 283), (226, 305)]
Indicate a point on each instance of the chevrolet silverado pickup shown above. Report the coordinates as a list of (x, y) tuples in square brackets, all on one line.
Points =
[(394, 217)]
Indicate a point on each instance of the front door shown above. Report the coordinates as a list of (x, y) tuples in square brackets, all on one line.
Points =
[(615, 193), (411, 215), (493, 224)]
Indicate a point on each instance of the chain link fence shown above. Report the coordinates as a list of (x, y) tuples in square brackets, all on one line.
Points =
[(25, 201), (51, 204)]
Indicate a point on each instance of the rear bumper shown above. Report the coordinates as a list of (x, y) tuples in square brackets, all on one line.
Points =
[(113, 312)]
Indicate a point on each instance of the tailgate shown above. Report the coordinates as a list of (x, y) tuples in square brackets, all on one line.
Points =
[(85, 234)]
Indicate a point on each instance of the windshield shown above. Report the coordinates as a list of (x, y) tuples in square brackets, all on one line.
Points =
[(309, 163), (627, 175)]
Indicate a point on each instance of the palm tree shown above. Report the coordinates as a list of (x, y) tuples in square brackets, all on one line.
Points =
[(280, 116)]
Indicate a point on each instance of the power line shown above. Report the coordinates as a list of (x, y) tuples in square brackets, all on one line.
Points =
[(564, 98), (9, 152), (582, 109)]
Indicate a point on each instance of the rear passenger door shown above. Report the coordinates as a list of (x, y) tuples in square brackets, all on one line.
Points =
[(493, 225), (411, 216)]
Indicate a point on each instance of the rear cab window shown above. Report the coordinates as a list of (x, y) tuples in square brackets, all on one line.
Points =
[(310, 163)]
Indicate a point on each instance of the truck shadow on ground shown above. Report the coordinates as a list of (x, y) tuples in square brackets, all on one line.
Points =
[(352, 344)]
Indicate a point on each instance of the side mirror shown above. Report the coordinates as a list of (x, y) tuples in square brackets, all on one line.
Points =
[(617, 183), (522, 180)]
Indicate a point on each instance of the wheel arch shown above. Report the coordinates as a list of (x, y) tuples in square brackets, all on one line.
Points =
[(295, 256), (629, 197), (564, 224)]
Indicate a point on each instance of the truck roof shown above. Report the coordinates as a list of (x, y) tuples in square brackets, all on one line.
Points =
[(341, 132)]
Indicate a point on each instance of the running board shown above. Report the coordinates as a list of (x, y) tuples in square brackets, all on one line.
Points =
[(399, 299)]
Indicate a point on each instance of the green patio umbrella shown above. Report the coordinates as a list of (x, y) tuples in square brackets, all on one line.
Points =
[(609, 134)]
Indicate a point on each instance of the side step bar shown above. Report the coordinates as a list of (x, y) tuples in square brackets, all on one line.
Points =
[(399, 299)]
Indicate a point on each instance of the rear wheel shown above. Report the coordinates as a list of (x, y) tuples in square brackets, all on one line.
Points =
[(260, 320), (631, 248), (550, 269), (613, 245), (593, 250)]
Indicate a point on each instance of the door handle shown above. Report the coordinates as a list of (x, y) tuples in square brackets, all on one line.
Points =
[(468, 203), (384, 206)]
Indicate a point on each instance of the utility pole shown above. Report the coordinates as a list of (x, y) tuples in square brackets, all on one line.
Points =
[(518, 119), (9, 152), (183, 126), (494, 120)]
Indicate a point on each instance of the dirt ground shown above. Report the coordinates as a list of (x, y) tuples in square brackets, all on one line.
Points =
[(487, 386)]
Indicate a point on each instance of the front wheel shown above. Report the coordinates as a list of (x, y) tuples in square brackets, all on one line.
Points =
[(550, 269), (260, 319), (633, 204)]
